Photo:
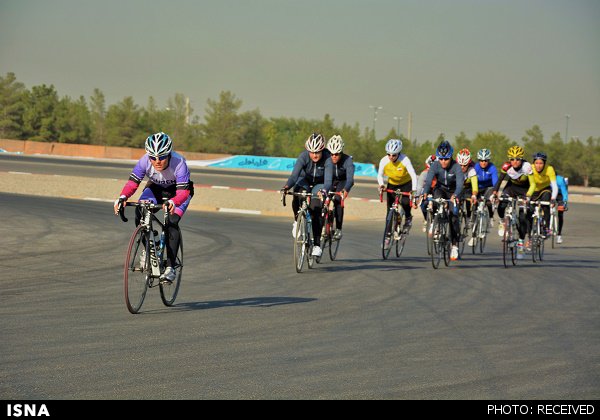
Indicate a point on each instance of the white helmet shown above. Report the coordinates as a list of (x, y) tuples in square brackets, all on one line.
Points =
[(484, 154), (159, 144), (463, 157), (335, 144), (315, 143), (393, 146)]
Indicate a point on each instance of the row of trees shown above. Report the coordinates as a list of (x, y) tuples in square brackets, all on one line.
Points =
[(40, 114)]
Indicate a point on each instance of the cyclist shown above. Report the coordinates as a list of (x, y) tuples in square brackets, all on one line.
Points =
[(449, 185), (169, 178), (561, 200), (520, 183), (401, 175), (471, 187), (545, 176), (339, 177), (487, 176), (421, 185), (309, 175)]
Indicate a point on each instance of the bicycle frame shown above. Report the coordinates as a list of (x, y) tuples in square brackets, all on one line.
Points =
[(304, 231), (394, 231)]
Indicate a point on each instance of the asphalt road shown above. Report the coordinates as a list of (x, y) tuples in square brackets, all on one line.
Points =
[(247, 326)]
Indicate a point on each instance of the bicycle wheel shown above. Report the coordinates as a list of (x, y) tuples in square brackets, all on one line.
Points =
[(475, 234), (447, 244), (168, 291), (508, 244), (464, 233), (324, 238), (534, 238), (334, 244), (428, 233), (388, 233), (484, 224), (299, 242), (135, 276), (541, 240), (437, 246), (553, 227), (309, 244), (402, 234)]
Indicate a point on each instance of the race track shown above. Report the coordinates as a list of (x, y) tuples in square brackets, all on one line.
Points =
[(245, 325)]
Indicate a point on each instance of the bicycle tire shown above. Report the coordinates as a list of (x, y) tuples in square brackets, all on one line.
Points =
[(309, 244), (475, 234), (428, 237), (334, 244), (447, 243), (324, 238), (169, 291), (390, 227), (299, 242), (508, 245), (135, 278), (484, 225), (553, 227), (534, 238), (400, 222), (436, 243), (464, 232)]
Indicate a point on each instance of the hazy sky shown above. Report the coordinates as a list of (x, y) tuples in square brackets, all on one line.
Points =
[(457, 65)]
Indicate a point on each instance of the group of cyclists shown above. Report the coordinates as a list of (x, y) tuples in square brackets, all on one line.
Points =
[(323, 167)]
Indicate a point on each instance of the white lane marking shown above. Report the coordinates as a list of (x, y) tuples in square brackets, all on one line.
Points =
[(98, 199), (242, 211), (254, 189), (220, 187), (19, 173)]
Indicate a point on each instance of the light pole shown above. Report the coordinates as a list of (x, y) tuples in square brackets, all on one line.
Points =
[(567, 116), (398, 119), (375, 109)]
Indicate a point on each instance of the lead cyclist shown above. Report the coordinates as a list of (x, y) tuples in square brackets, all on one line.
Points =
[(169, 178)]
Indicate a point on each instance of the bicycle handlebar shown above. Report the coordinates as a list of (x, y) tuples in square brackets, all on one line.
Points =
[(389, 190), (297, 194), (147, 204)]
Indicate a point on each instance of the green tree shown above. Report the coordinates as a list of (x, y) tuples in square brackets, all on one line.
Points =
[(221, 130), (533, 141), (98, 117), (39, 117), (73, 121), (12, 105), (123, 124)]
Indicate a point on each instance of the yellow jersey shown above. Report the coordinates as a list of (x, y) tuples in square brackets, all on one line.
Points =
[(398, 173), (545, 178)]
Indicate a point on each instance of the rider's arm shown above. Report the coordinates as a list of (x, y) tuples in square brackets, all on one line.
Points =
[(429, 179), (553, 185), (411, 171), (531, 189), (494, 173), (384, 161), (475, 184), (349, 165), (460, 178), (136, 177), (501, 177), (298, 166), (182, 179), (563, 187), (328, 184)]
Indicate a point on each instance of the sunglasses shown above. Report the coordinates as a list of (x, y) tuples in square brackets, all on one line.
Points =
[(392, 154), (335, 154), (484, 160), (513, 159), (160, 158), (443, 158)]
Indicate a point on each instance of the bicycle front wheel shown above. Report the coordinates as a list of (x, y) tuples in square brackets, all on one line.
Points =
[(402, 234), (388, 233), (437, 242), (428, 233), (299, 242), (137, 271), (168, 291), (484, 223), (334, 244)]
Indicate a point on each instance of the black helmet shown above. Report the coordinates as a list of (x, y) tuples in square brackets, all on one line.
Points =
[(444, 150), (540, 155)]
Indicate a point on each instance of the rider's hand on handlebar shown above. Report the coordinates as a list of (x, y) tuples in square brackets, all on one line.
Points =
[(169, 206), (119, 203)]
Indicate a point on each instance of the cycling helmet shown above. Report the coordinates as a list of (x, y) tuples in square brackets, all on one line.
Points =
[(335, 144), (463, 157), (444, 150), (159, 144), (429, 160), (540, 155), (484, 154), (516, 152), (393, 146), (315, 143)]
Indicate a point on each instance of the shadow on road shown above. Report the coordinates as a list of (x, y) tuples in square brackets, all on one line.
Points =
[(261, 302)]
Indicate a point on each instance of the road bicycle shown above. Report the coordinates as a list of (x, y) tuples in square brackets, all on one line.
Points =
[(146, 257), (480, 226), (538, 230), (440, 232), (396, 231), (327, 234), (511, 230), (303, 241)]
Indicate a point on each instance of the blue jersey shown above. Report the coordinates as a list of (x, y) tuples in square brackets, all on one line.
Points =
[(486, 177), (563, 188), (343, 171)]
